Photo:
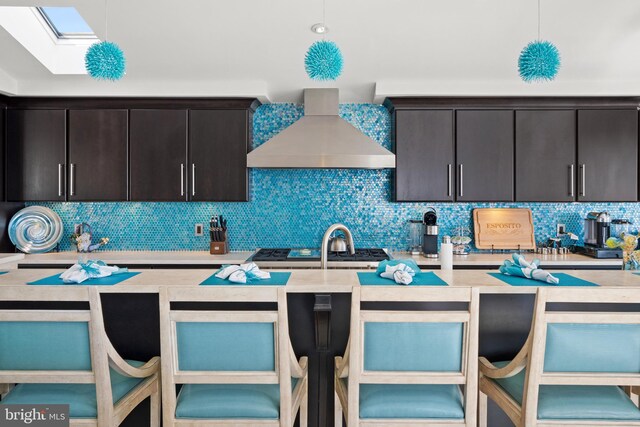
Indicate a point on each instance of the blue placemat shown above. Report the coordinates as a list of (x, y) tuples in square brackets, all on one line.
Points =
[(428, 278), (565, 280), (105, 281), (277, 279)]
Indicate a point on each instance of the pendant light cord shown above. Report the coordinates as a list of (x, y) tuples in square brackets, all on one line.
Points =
[(106, 24), (324, 22), (538, 19)]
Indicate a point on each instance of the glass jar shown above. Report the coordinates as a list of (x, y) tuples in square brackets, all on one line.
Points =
[(414, 238)]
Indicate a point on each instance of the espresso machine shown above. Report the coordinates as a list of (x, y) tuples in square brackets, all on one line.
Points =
[(597, 229), (430, 240)]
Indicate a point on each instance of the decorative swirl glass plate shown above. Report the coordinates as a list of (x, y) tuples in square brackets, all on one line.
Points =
[(35, 229)]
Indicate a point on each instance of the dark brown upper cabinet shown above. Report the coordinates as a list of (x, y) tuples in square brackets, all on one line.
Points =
[(98, 155), (484, 155), (218, 144), (607, 155), (545, 155), (36, 155), (424, 155), (567, 149), (158, 155)]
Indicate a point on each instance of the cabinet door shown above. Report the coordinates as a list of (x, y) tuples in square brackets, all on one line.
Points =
[(218, 155), (36, 141), (158, 154), (607, 155), (484, 155), (98, 155), (545, 155), (424, 155)]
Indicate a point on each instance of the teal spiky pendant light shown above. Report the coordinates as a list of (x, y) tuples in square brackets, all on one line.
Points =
[(323, 60), (539, 61), (105, 60)]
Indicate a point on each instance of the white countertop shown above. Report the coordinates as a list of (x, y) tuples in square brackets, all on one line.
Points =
[(204, 258), (138, 257), (301, 281), (10, 257), (484, 259)]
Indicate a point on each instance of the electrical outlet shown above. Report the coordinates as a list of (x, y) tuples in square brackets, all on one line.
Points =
[(561, 229), (199, 229)]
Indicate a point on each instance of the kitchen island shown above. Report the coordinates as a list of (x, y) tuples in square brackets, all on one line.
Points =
[(310, 280), (319, 307)]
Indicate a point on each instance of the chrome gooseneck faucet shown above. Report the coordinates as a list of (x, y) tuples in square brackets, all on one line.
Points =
[(325, 242)]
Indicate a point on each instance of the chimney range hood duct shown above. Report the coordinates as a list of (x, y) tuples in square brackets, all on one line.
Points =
[(321, 139)]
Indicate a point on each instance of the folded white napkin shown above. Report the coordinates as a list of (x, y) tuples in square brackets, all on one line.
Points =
[(402, 274), (242, 273), (91, 269), (523, 268)]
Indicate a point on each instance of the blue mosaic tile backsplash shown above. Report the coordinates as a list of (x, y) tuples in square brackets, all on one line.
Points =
[(293, 207)]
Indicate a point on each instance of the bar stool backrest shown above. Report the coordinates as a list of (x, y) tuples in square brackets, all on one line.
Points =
[(414, 346), (582, 348)]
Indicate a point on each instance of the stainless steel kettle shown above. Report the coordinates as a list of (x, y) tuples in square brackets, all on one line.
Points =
[(338, 243)]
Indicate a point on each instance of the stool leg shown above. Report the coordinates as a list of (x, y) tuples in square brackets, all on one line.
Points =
[(304, 408), (632, 393), (155, 410), (482, 409), (337, 410)]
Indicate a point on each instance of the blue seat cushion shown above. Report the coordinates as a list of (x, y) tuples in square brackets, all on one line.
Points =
[(230, 401), (417, 401), (560, 402), (81, 398)]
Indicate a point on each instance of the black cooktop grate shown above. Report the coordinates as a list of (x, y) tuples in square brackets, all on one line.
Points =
[(362, 255)]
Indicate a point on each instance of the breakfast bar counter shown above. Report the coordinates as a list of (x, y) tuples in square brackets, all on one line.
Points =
[(314, 281), (319, 304)]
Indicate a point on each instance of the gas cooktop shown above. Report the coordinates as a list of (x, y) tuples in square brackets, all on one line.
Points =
[(286, 254)]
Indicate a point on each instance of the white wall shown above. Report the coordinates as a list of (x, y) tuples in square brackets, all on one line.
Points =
[(401, 47)]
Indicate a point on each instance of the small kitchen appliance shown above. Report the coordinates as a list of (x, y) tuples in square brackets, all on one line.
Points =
[(430, 239), (597, 229)]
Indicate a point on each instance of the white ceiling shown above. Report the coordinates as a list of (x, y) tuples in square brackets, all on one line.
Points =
[(401, 47)]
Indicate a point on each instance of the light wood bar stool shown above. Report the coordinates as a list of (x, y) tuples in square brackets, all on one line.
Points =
[(571, 369), (64, 357), (237, 368), (408, 367)]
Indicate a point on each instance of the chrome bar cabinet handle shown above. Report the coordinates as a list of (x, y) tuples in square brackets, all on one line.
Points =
[(583, 191), (182, 179), (571, 180), (60, 165), (193, 179), (461, 180), (449, 180), (72, 186)]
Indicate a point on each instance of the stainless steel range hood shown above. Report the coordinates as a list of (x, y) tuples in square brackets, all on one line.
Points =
[(321, 139)]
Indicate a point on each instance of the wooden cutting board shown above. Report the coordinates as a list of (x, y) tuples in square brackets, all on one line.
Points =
[(503, 228)]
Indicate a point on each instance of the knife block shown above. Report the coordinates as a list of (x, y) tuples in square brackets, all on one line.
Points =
[(219, 248)]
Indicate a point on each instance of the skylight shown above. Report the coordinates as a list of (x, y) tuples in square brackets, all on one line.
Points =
[(66, 23), (60, 54)]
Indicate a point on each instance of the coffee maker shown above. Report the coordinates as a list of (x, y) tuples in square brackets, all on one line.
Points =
[(430, 240), (597, 229)]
